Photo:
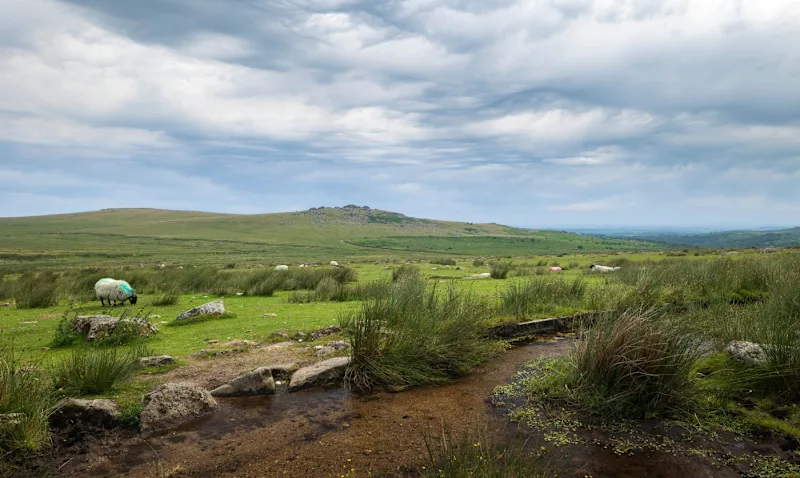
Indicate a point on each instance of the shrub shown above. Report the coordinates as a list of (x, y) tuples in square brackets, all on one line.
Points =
[(478, 263), (66, 332), (28, 393), (635, 365), (499, 270), (444, 261), (415, 336), (93, 371), (35, 290), (479, 455)]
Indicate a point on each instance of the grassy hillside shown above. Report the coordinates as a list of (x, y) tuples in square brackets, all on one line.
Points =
[(132, 236), (777, 238)]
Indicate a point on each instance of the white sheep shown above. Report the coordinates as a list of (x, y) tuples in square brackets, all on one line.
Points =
[(302, 266), (603, 269), (334, 264), (556, 269), (108, 289), (282, 268)]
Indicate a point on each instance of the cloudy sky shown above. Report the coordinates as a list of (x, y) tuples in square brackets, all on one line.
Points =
[(539, 113)]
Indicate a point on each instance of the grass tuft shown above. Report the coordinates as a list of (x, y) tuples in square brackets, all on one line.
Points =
[(93, 371), (415, 336)]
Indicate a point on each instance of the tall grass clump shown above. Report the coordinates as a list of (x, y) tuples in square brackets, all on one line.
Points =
[(478, 263), (88, 371), (406, 271), (541, 294), (481, 456), (415, 336), (6, 287), (635, 365), (36, 290), (168, 296), (775, 324), (499, 270), (26, 399)]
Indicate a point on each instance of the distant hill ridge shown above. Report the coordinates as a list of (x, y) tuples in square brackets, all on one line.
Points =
[(135, 235), (731, 239)]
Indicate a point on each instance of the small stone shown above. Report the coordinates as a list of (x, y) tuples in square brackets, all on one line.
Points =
[(345, 425), (270, 314), (367, 452), (216, 307), (257, 382), (320, 373), (278, 383), (156, 360), (101, 412), (172, 404)]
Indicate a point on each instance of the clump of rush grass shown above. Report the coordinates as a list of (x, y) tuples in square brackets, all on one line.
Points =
[(36, 290), (635, 365), (26, 399), (541, 294), (500, 269), (168, 296), (416, 336), (329, 290), (88, 371), (406, 271), (479, 455)]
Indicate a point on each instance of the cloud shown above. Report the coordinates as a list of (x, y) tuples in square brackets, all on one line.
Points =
[(538, 114)]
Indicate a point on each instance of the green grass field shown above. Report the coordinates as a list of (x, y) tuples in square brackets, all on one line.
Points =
[(133, 236)]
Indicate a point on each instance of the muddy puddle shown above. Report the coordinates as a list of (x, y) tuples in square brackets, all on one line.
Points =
[(333, 432)]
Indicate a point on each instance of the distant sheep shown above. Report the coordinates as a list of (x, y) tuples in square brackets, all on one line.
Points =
[(302, 266), (555, 269), (334, 264), (108, 289), (282, 268), (603, 269)]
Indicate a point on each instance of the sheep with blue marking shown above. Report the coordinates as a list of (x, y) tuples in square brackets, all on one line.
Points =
[(113, 291)]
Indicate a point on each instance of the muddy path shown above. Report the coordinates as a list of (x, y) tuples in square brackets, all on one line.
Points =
[(315, 433)]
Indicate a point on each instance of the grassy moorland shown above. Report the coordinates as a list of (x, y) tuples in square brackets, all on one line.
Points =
[(134, 236), (413, 320)]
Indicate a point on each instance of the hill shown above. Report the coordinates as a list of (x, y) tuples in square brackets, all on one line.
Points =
[(131, 236), (737, 239)]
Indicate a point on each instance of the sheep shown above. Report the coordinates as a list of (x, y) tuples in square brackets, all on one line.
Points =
[(108, 289), (302, 266), (603, 269), (555, 269), (282, 268), (334, 264)]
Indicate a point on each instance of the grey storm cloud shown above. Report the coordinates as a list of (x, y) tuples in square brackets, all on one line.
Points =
[(534, 113)]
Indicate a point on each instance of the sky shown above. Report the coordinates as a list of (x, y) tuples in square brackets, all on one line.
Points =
[(538, 113)]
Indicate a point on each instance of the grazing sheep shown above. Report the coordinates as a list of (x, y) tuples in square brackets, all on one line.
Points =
[(282, 268), (302, 266), (334, 264), (604, 269), (108, 289), (555, 269)]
